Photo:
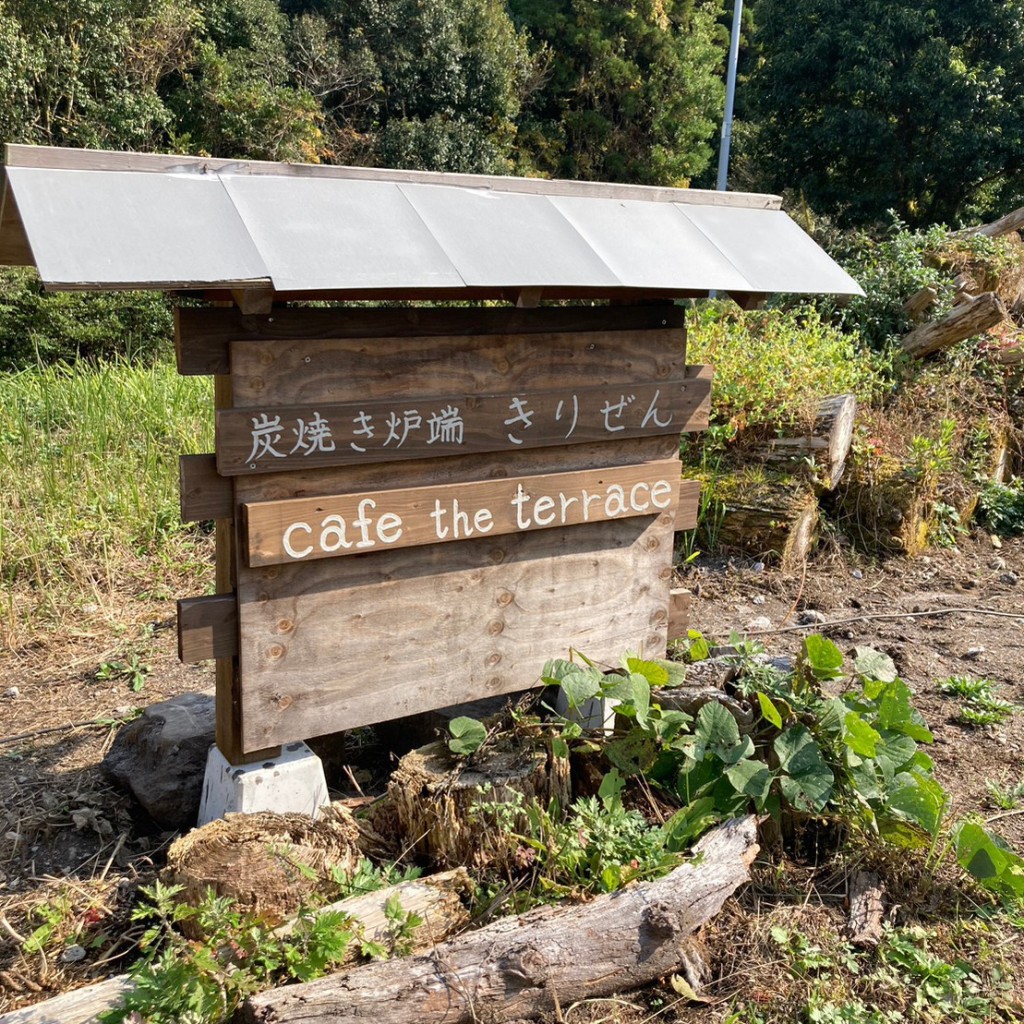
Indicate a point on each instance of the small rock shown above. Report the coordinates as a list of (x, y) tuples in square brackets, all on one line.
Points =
[(161, 757), (72, 954), (90, 609), (969, 584), (758, 624), (1010, 578), (757, 599), (998, 563), (926, 560), (857, 574), (996, 542), (123, 710), (757, 567), (973, 653), (12, 692), (811, 617)]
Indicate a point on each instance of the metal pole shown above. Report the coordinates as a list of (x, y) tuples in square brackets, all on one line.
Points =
[(730, 96)]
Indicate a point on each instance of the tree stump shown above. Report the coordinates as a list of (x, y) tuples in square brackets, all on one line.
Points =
[(433, 796), (268, 863)]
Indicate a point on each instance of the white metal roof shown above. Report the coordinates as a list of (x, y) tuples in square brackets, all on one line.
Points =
[(121, 220)]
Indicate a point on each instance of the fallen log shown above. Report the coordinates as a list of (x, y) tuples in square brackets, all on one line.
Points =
[(83, 1006), (1013, 221), (523, 967), (1009, 355), (961, 322), (827, 442), (436, 900)]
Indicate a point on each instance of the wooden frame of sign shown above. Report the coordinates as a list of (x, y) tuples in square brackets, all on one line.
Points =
[(417, 508)]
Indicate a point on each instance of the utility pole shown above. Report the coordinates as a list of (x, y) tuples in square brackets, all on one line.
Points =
[(730, 96)]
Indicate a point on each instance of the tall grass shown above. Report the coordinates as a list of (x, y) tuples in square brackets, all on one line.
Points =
[(89, 483)]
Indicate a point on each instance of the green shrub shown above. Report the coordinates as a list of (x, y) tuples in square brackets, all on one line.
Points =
[(772, 366), (38, 328), (1002, 507)]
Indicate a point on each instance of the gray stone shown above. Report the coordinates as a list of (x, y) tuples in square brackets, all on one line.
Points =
[(761, 622), (811, 617), (161, 757), (758, 599), (973, 653), (998, 563), (13, 692), (857, 574), (1009, 578)]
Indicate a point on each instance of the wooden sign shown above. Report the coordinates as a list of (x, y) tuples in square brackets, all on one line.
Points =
[(274, 439), (307, 529)]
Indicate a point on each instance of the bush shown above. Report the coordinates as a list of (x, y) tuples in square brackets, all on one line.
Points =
[(39, 328), (772, 367), (1002, 507)]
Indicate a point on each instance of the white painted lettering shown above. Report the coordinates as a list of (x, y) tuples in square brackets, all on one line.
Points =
[(460, 519), (392, 522), (566, 502), (333, 526), (441, 531), (293, 552), (634, 503), (659, 489), (543, 505), (587, 499), (520, 498), (362, 523), (617, 496), (483, 520)]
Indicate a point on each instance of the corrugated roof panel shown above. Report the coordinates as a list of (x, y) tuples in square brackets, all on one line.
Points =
[(503, 239), (120, 229), (322, 233), (771, 251), (650, 245)]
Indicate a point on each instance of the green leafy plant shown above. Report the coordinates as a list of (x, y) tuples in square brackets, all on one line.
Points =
[(468, 735), (1006, 798), (1001, 507), (134, 671), (981, 707)]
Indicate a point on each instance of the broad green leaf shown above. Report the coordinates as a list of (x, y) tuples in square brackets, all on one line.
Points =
[(751, 778), (859, 736), (769, 711), (897, 713), (687, 825), (699, 649), (559, 747), (581, 685), (468, 735), (655, 673), (633, 691), (865, 780), (894, 753), (670, 724), (871, 664), (919, 798), (611, 788), (808, 782), (556, 670), (988, 859), (634, 753), (822, 657), (720, 734)]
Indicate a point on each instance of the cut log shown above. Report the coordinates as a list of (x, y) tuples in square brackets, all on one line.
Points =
[(523, 967), (435, 899), (770, 515), (864, 924), (1008, 355), (966, 289), (268, 863), (433, 797), (920, 302), (83, 1006), (827, 442), (961, 322)]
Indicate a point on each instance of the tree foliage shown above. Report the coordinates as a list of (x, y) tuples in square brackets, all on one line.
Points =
[(876, 105), (632, 89)]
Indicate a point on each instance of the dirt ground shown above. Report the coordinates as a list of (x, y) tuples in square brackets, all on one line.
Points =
[(73, 849)]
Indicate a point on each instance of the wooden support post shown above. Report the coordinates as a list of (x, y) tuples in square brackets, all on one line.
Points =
[(679, 600), (254, 301)]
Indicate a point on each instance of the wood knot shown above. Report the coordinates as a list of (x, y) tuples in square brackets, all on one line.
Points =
[(660, 921)]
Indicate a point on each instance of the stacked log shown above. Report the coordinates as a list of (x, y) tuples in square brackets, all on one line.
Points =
[(961, 322)]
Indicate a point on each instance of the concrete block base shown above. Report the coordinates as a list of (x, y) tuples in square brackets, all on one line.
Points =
[(593, 714), (293, 783)]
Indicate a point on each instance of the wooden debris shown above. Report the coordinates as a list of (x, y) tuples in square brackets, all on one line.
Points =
[(966, 287), (269, 863), (828, 441), (433, 796), (436, 899), (1013, 221), (864, 924), (961, 322), (920, 302), (523, 967), (1010, 355), (83, 1006)]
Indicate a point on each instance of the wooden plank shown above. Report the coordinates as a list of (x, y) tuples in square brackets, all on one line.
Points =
[(278, 438), (336, 644), (101, 160), (205, 494), (207, 628), (14, 248), (679, 600), (395, 369), (202, 335), (80, 1006), (307, 529)]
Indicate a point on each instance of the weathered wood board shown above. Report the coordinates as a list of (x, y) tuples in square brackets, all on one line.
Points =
[(307, 529), (332, 643), (202, 336), (278, 438)]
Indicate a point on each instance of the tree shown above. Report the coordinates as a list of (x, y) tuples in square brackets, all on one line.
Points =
[(633, 90), (432, 84), (872, 105)]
